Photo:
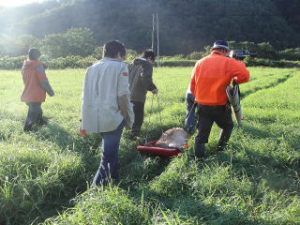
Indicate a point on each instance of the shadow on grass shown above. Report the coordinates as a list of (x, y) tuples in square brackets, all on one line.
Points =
[(280, 176), (255, 132), (9, 119), (86, 148), (90, 151)]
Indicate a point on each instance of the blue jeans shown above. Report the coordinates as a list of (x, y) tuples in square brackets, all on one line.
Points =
[(190, 119), (138, 109), (109, 165)]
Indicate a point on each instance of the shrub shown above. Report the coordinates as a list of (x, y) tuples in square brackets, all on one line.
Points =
[(175, 63), (75, 41), (10, 63), (290, 54), (195, 55), (271, 63)]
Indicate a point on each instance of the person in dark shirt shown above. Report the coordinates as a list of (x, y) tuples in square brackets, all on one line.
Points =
[(140, 81)]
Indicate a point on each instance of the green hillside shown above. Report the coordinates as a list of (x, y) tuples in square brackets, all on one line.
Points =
[(185, 26)]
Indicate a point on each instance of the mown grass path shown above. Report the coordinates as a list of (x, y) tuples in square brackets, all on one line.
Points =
[(256, 181)]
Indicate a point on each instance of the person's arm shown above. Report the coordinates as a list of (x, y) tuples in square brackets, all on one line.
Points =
[(123, 97), (85, 101), (123, 102), (239, 72), (47, 87), (147, 78), (44, 80), (23, 75), (193, 82)]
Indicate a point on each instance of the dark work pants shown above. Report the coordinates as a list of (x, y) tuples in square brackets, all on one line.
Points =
[(138, 109), (207, 115), (109, 165), (34, 115)]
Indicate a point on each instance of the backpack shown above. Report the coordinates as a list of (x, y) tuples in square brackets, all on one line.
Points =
[(134, 72)]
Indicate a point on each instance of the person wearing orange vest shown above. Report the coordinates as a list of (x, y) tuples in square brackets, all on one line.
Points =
[(36, 85), (210, 77)]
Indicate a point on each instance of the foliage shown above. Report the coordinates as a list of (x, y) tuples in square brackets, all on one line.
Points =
[(185, 26), (176, 63), (195, 55), (71, 62), (250, 61), (290, 54), (75, 41), (17, 45), (10, 63)]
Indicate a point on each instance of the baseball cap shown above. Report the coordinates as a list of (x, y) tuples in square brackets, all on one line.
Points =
[(220, 44)]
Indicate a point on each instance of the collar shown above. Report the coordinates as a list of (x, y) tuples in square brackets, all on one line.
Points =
[(215, 52), (112, 59)]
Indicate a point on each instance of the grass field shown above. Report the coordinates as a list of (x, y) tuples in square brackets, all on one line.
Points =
[(45, 175)]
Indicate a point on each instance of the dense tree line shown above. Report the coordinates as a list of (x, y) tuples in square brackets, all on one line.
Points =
[(185, 25)]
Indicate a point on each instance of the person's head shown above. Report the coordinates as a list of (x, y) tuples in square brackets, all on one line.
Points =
[(221, 46), (34, 54), (114, 49), (149, 55)]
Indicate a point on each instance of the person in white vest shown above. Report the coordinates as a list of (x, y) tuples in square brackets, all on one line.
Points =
[(106, 108)]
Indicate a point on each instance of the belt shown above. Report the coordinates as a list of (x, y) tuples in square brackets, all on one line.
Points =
[(212, 106)]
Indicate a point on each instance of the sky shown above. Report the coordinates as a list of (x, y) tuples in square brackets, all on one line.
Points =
[(10, 3)]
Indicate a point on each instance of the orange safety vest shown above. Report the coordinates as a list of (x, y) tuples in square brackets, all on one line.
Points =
[(33, 91), (212, 74)]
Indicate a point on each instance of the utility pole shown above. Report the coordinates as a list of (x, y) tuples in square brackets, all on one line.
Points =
[(157, 39), (155, 27), (153, 30)]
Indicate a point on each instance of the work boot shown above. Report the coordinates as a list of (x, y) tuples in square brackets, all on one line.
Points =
[(42, 121), (224, 138), (28, 127), (134, 134), (221, 146), (199, 150)]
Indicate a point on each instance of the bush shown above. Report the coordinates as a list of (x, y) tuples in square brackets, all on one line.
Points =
[(11, 63), (71, 62), (75, 41), (270, 63), (131, 55), (290, 54), (195, 55), (183, 63)]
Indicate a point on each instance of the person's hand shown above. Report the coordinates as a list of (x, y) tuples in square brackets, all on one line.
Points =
[(127, 126), (45, 65), (234, 81), (127, 123), (155, 91), (82, 133)]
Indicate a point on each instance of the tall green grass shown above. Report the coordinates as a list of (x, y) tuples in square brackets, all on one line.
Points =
[(45, 175)]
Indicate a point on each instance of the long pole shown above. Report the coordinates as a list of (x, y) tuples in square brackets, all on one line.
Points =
[(157, 38), (153, 30)]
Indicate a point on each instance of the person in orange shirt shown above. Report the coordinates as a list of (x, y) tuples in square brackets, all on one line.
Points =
[(210, 77), (36, 85)]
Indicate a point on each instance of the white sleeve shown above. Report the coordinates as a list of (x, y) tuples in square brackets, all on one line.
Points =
[(123, 82)]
